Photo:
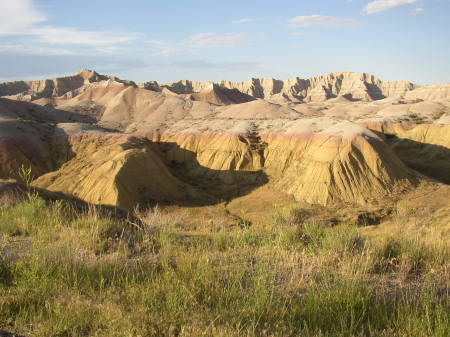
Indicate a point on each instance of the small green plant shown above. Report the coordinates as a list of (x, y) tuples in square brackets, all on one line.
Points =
[(311, 233), (416, 118), (344, 239), (441, 113), (26, 174)]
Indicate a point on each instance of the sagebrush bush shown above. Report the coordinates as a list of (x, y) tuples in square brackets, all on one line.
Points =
[(290, 216)]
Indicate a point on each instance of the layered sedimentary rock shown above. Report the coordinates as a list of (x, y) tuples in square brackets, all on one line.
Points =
[(219, 95), (423, 147), (431, 92), (339, 138), (317, 161), (31, 90), (124, 105), (29, 137), (132, 109), (113, 169), (426, 148), (356, 85)]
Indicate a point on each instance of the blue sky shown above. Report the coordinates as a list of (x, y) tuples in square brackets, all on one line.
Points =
[(170, 40)]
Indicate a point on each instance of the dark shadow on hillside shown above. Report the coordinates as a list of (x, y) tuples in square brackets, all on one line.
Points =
[(30, 136), (429, 159), (211, 186), (374, 91), (197, 184), (350, 98)]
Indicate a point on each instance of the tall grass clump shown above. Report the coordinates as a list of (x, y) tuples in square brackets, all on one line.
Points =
[(26, 217)]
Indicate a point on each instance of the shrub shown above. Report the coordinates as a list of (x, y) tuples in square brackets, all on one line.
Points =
[(290, 216), (5, 272), (344, 239), (27, 217), (406, 255), (311, 233)]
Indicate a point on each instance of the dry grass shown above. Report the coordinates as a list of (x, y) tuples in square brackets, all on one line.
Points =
[(83, 274)]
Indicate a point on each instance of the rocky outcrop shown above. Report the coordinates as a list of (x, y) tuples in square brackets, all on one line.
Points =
[(31, 90), (218, 95), (431, 93), (355, 85), (358, 86)]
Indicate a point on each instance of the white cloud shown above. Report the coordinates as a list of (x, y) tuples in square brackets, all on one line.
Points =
[(20, 17), (157, 43), (244, 20), (33, 50), (194, 43), (56, 35), (214, 39), (303, 34), (217, 66), (416, 11), (323, 21), (164, 48), (378, 6), (17, 16), (173, 51)]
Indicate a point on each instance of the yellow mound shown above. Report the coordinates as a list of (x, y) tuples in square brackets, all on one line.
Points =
[(114, 170), (316, 160)]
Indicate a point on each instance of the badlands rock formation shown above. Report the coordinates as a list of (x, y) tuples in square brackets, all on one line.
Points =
[(343, 138), (114, 169), (353, 85), (316, 160), (31, 90)]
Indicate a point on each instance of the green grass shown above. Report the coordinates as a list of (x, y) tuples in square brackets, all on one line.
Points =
[(81, 274)]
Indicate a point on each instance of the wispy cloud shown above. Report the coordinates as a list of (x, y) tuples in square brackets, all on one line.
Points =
[(303, 34), (17, 16), (173, 51), (218, 66), (22, 65), (378, 6), (194, 43), (243, 20), (33, 50), (416, 11), (323, 21), (215, 39), (163, 48), (56, 35), (22, 18)]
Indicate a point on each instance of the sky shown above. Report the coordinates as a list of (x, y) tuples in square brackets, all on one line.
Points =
[(171, 40)]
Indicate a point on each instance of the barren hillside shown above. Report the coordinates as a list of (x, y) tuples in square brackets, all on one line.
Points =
[(342, 138)]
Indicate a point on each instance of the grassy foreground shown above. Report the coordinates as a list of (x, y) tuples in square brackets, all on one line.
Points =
[(66, 273)]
